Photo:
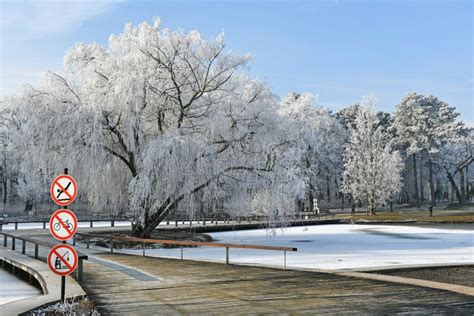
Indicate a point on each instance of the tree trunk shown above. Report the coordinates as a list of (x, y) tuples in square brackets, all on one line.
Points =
[(28, 205), (415, 177), (454, 187), (422, 188), (5, 190), (328, 188), (372, 206), (462, 200), (432, 189), (468, 190), (310, 198)]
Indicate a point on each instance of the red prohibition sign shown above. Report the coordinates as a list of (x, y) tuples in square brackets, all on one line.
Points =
[(62, 259), (63, 224), (63, 190)]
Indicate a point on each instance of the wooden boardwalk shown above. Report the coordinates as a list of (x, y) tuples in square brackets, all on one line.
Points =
[(204, 288)]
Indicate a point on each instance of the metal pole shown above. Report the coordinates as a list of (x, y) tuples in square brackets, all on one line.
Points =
[(23, 247), (284, 254), (63, 288), (79, 270), (63, 278), (36, 251), (226, 255), (111, 245)]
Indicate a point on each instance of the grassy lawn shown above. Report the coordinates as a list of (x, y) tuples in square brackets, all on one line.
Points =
[(421, 216)]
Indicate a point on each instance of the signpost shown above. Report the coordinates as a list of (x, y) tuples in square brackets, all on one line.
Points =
[(62, 259)]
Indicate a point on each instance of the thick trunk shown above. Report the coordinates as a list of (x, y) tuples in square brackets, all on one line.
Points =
[(453, 186), (171, 203), (415, 178), (372, 206), (432, 189)]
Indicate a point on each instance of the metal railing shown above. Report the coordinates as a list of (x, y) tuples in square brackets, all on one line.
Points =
[(182, 244), (37, 244), (204, 221)]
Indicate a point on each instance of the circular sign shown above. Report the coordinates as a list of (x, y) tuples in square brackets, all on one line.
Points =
[(62, 259), (63, 224), (63, 189)]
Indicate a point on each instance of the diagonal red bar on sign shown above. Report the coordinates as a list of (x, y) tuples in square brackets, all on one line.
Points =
[(62, 259), (63, 189), (62, 224)]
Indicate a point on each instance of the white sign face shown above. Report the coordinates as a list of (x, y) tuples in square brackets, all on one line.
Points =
[(63, 224), (62, 259), (63, 190)]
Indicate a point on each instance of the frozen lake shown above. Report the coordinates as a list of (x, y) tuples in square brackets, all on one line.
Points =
[(340, 246), (14, 289)]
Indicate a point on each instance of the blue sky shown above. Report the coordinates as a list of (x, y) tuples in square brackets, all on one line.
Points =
[(340, 50)]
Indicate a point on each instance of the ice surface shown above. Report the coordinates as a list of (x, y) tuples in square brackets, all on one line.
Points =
[(340, 246), (14, 289)]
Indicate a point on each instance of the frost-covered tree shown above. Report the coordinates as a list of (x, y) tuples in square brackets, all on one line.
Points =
[(169, 119), (321, 139), (372, 169), (425, 123), (456, 157)]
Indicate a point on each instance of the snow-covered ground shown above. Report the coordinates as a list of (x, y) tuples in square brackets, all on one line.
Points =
[(14, 289), (341, 246)]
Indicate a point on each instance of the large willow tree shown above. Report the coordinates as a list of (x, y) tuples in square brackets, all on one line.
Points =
[(160, 121)]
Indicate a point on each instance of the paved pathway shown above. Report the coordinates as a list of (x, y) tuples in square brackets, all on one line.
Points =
[(189, 287)]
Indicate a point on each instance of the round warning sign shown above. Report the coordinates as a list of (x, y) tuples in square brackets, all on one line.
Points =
[(63, 224), (63, 190), (62, 259)]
